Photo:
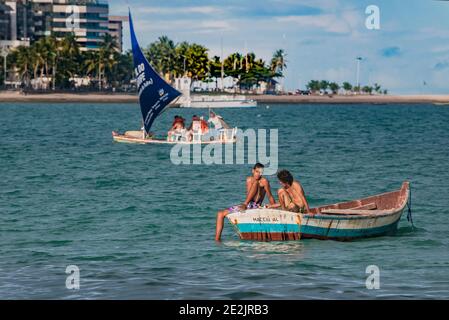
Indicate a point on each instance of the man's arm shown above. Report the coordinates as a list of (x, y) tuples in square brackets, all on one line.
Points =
[(303, 197), (268, 191), (251, 190)]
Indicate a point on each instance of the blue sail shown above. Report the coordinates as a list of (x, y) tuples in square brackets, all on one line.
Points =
[(154, 93)]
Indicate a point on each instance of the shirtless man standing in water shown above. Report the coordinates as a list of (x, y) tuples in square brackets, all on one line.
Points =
[(291, 195), (256, 189)]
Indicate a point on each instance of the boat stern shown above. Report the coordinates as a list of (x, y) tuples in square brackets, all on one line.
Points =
[(266, 225)]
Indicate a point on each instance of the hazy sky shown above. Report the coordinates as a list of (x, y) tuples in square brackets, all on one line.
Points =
[(322, 38)]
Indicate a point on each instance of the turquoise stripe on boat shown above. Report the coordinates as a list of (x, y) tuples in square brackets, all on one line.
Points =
[(267, 227), (316, 231)]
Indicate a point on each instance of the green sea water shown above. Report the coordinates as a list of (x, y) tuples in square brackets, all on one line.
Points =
[(138, 226)]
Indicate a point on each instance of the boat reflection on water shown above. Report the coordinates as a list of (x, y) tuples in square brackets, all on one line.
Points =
[(293, 250)]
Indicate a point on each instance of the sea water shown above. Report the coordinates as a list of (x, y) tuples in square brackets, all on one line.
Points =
[(137, 226)]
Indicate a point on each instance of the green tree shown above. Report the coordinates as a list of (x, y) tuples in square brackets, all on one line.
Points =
[(69, 61), (233, 65), (314, 86), (215, 67), (324, 85), (180, 68), (367, 89), (278, 62), (347, 86), (101, 62), (23, 63), (197, 62), (377, 88), (163, 56), (334, 87), (122, 71)]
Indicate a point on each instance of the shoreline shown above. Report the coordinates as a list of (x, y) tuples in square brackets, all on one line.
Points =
[(284, 99)]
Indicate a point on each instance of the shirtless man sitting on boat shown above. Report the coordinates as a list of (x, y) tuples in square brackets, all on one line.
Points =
[(256, 189), (291, 195)]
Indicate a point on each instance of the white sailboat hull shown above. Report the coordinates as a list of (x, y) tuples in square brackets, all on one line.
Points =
[(125, 139), (217, 102)]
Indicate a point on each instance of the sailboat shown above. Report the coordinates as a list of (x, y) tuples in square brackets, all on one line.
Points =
[(154, 96)]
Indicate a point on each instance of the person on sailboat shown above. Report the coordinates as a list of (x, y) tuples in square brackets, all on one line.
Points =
[(220, 126), (257, 187), (178, 123), (291, 195), (215, 120), (177, 126), (204, 126), (195, 127)]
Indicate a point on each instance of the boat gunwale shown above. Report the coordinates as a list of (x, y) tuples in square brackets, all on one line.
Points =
[(366, 214)]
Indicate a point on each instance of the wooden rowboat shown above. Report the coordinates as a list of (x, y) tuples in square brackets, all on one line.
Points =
[(368, 217)]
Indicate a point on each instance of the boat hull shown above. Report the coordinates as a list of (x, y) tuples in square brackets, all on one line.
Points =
[(134, 140), (219, 104), (294, 226), (278, 225)]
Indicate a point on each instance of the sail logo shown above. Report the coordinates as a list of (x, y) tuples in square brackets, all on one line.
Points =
[(239, 153)]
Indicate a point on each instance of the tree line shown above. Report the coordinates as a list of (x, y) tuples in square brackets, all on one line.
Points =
[(324, 86), (63, 59)]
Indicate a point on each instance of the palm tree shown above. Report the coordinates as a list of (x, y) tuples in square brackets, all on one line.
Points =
[(248, 61), (162, 56), (90, 63), (377, 88), (232, 65), (23, 62), (197, 62), (108, 55), (278, 62), (215, 69), (180, 68), (103, 60), (123, 70), (69, 60)]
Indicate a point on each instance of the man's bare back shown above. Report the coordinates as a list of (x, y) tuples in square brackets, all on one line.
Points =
[(296, 195)]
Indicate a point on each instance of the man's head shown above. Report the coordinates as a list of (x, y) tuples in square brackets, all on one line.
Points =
[(258, 171), (285, 178)]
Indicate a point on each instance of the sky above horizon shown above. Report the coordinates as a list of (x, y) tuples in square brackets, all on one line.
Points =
[(322, 38)]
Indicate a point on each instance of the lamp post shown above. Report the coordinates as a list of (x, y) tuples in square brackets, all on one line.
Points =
[(4, 54), (358, 72)]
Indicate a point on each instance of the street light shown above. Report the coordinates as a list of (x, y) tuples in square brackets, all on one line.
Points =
[(4, 54), (358, 72)]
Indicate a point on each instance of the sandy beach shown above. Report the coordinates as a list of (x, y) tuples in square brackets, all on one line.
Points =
[(312, 99)]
